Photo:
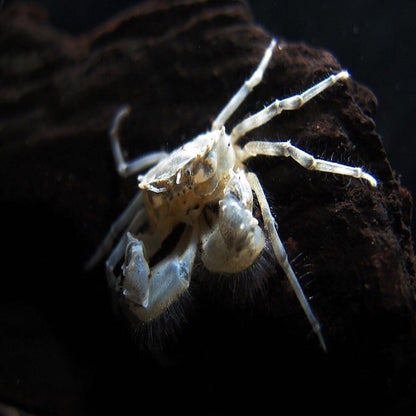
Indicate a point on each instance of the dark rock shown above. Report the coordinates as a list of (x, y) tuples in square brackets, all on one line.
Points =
[(62, 351)]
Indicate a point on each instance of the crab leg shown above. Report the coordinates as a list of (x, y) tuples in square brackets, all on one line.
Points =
[(164, 283), (244, 90), (281, 256), (116, 228), (127, 168), (286, 149), (291, 103)]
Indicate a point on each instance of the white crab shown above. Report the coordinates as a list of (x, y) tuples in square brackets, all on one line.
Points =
[(204, 184)]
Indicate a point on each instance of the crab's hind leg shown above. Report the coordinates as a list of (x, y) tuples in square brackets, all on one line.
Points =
[(281, 256), (127, 168), (244, 90)]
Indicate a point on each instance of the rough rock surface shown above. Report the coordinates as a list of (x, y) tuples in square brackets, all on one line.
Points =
[(63, 351)]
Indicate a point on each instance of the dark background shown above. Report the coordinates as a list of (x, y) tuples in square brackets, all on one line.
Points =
[(374, 40)]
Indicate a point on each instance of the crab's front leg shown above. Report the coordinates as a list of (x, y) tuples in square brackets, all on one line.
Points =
[(234, 240), (148, 292), (136, 272)]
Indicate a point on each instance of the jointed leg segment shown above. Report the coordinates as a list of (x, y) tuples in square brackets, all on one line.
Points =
[(129, 215), (119, 250), (135, 205), (281, 255), (291, 103), (244, 90), (151, 291), (127, 168), (306, 160)]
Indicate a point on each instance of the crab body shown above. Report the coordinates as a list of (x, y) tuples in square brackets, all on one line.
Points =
[(204, 186), (191, 177)]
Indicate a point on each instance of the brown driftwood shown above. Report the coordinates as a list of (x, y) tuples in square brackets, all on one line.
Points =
[(177, 63)]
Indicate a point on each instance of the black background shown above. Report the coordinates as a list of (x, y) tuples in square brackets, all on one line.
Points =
[(374, 40)]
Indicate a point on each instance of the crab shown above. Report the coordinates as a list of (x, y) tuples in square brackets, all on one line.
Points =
[(205, 186)]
